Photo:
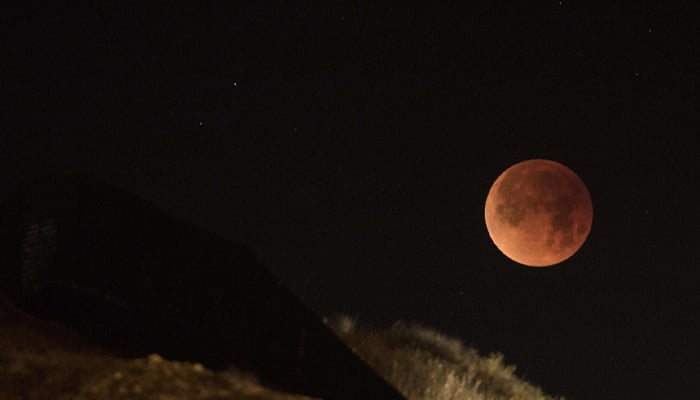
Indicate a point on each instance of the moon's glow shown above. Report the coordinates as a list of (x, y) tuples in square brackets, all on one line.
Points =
[(538, 213)]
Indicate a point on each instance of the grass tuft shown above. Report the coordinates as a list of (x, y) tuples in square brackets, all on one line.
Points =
[(424, 364)]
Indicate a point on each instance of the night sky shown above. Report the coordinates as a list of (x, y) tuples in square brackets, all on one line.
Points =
[(353, 147)]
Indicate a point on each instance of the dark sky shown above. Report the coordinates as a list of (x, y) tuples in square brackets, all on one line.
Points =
[(353, 147)]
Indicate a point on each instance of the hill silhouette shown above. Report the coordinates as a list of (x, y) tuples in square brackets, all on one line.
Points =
[(138, 281)]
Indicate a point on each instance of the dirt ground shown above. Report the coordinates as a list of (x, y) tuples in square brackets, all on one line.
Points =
[(43, 360)]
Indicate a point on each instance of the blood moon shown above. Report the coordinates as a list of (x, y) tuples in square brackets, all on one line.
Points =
[(538, 213)]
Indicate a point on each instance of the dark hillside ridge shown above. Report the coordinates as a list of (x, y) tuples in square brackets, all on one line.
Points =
[(139, 281)]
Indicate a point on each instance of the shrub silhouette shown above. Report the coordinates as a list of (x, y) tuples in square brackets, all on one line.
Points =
[(424, 364)]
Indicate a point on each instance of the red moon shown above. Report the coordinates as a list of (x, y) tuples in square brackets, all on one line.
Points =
[(538, 213)]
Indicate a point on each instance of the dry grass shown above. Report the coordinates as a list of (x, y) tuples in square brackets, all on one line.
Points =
[(424, 364)]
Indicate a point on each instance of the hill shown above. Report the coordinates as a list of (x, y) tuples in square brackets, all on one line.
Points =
[(42, 360), (48, 360), (424, 364)]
